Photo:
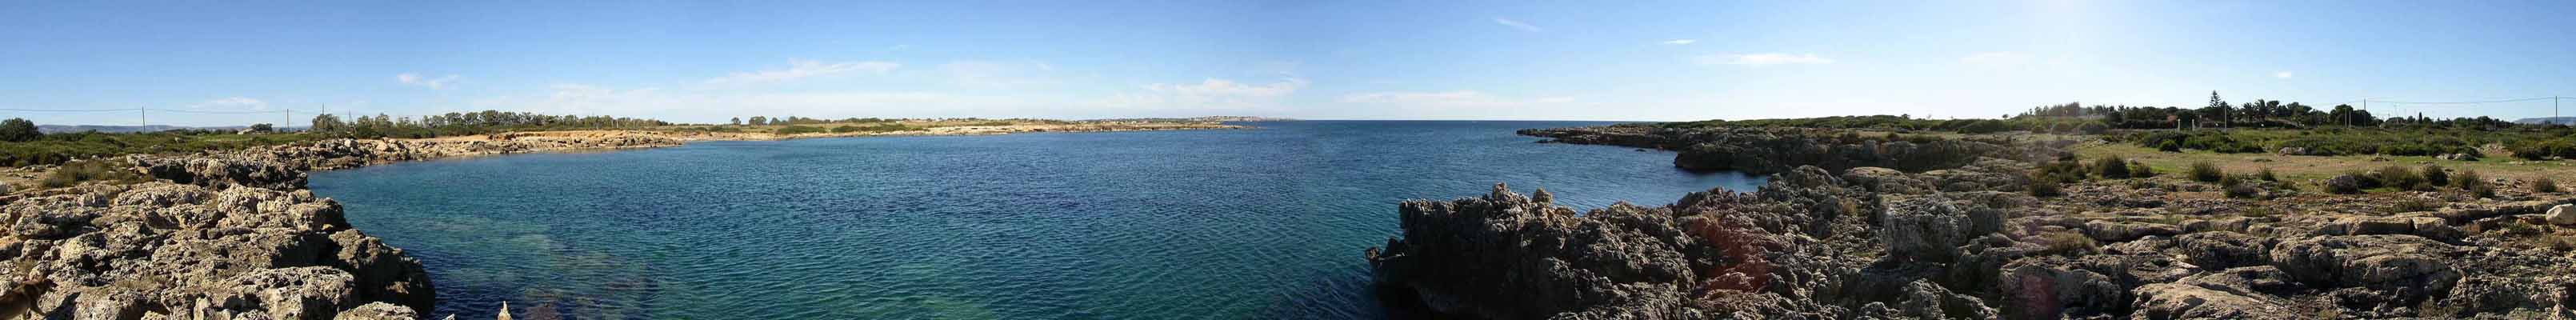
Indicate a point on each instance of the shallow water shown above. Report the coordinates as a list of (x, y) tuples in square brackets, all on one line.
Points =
[(1266, 223)]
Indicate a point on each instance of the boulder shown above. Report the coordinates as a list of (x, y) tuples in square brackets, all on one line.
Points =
[(1926, 228), (2422, 226), (2108, 231), (2564, 214), (2406, 266), (1884, 180), (2222, 249), (2177, 301), (2050, 288)]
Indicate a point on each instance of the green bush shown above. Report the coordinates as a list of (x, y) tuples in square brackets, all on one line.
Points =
[(2475, 184), (2243, 191), (2206, 172), (2046, 188), (2345, 184), (2092, 128), (2544, 185), (889, 127), (2266, 175), (2400, 178), (2140, 169), (799, 130), (2111, 168), (75, 172), (2069, 243), (2433, 174), (2169, 146)]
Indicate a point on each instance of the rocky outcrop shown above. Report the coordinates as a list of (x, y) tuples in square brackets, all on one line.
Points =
[(1773, 150), (232, 235), (126, 251), (1958, 239), (1619, 258)]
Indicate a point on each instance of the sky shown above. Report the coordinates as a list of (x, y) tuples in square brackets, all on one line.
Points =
[(1537, 60)]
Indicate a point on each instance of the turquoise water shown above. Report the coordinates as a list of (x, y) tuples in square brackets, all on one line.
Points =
[(1266, 223)]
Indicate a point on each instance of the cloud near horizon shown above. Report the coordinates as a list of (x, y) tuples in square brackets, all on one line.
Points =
[(417, 80), (798, 69), (233, 103), (1763, 59)]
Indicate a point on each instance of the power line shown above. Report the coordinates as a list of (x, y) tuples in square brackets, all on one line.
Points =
[(216, 112), (64, 110), (2463, 102)]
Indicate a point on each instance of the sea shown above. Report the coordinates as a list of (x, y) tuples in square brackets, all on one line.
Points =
[(1268, 222)]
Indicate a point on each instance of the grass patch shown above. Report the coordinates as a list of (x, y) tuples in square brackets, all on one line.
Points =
[(76, 172)]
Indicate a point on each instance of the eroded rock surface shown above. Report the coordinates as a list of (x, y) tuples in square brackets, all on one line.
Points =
[(1960, 238), (126, 251)]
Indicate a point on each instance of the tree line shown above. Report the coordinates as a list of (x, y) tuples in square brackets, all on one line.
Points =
[(464, 123)]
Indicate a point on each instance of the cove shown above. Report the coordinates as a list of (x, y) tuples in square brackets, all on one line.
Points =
[(1263, 223)]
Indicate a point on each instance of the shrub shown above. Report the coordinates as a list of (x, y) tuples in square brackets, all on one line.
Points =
[(2045, 188), (2266, 175), (2169, 146), (2092, 128), (2111, 168), (2415, 205), (2140, 169), (889, 127), (2544, 185), (2206, 172), (2475, 184), (19, 130), (799, 130), (2344, 184), (2243, 191), (2069, 243), (75, 172), (2400, 178), (2433, 174)]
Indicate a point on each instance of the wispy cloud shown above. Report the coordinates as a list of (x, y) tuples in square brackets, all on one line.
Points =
[(1763, 59), (232, 103), (991, 74), (1449, 99), (418, 80), (797, 69), (1209, 93), (1516, 24), (1679, 41), (2282, 74), (1996, 58)]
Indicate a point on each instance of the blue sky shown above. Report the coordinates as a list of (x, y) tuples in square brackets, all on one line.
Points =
[(707, 61)]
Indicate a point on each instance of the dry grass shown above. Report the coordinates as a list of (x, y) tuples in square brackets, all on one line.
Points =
[(2310, 170)]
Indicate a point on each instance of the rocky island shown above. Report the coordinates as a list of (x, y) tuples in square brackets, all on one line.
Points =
[(1877, 225)]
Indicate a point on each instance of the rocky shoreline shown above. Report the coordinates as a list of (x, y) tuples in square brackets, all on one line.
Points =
[(234, 234), (1880, 227)]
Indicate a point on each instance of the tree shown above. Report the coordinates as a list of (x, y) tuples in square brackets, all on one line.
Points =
[(759, 120), (326, 123), (263, 127), (737, 121), (19, 130), (2218, 108)]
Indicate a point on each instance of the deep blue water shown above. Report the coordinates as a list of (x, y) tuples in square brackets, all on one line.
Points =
[(1265, 223)]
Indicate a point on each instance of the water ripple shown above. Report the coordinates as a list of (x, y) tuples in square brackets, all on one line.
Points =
[(1244, 224)]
